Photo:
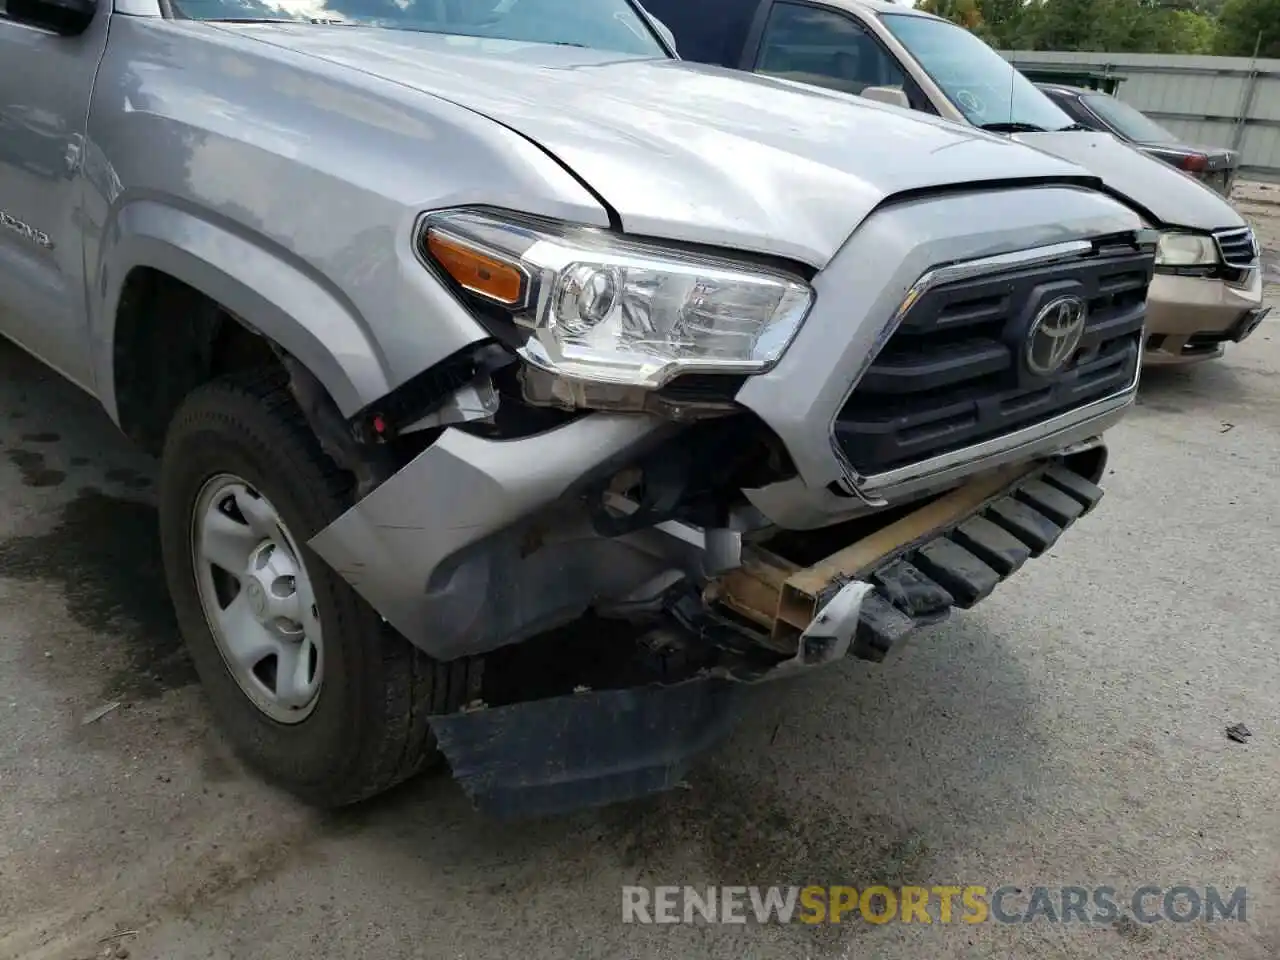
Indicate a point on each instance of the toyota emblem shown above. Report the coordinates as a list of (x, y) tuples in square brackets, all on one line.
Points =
[(1055, 334)]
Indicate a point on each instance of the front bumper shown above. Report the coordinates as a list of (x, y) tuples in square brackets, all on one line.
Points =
[(588, 747), (1191, 319)]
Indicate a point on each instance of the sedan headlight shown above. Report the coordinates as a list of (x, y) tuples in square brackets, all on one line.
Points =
[(1186, 250), (609, 310)]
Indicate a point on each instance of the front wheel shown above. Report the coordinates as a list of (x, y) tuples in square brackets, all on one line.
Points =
[(310, 686)]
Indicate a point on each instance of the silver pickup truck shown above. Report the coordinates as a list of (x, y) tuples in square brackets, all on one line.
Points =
[(454, 324)]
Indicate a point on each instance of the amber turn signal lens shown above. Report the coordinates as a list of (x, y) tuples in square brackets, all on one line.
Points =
[(476, 272)]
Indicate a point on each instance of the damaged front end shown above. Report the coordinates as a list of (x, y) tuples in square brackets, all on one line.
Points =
[(635, 554), (629, 710), (767, 619), (628, 597)]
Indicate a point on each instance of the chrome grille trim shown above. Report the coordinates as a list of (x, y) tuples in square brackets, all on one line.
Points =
[(868, 488), (1237, 247)]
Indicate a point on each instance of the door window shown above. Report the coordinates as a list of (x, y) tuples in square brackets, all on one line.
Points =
[(825, 48)]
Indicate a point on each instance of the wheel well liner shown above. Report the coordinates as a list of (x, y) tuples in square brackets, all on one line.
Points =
[(169, 339)]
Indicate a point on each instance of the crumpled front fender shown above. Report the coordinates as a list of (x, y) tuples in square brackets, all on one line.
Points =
[(413, 548)]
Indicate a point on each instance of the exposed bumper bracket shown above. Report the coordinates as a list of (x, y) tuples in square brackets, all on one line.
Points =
[(951, 552)]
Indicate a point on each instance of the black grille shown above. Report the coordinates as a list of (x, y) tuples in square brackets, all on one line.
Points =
[(955, 372), (1237, 247)]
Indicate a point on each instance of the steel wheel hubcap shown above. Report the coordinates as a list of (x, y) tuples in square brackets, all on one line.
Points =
[(257, 598)]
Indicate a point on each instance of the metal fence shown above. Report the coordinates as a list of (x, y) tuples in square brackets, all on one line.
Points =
[(1216, 101)]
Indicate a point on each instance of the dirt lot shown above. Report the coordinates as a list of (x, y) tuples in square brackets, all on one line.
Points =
[(1070, 731), (1260, 202)]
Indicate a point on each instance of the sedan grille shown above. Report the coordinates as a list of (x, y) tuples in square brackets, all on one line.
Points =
[(1238, 248), (957, 371)]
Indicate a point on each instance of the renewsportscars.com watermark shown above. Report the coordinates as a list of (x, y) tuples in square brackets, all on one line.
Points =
[(1181, 903)]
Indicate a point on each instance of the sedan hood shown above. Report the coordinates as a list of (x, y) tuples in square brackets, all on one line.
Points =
[(685, 151), (1171, 197)]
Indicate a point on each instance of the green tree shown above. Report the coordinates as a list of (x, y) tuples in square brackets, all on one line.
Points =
[(1243, 22), (1002, 20), (1193, 31), (1120, 26), (964, 12), (1067, 24)]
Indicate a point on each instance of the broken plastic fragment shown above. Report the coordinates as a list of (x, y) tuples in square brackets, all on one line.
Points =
[(1239, 732)]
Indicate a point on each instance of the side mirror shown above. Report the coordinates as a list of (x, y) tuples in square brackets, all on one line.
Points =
[(894, 96), (67, 17)]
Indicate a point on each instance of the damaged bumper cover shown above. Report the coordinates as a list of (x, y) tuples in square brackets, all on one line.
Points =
[(593, 747)]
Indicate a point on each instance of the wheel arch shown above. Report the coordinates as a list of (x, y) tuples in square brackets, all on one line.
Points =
[(266, 290)]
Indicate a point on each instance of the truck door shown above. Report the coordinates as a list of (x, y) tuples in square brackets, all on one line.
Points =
[(45, 83)]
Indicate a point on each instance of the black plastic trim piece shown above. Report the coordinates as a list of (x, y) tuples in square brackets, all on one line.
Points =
[(962, 565), (381, 420)]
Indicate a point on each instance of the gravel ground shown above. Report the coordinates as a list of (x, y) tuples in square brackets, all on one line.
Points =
[(1069, 731), (1260, 202)]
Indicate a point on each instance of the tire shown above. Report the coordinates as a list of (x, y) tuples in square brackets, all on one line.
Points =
[(367, 726)]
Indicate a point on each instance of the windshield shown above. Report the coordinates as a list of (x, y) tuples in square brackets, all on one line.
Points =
[(1132, 124), (613, 25), (980, 82)]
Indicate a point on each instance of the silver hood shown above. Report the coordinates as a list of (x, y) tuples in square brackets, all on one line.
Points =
[(1173, 198), (684, 151)]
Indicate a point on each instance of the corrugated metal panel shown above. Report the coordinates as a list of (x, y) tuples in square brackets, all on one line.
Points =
[(1266, 101), (1175, 63), (1198, 98)]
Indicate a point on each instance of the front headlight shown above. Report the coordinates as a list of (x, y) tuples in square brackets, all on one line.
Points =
[(610, 310), (1186, 250)]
